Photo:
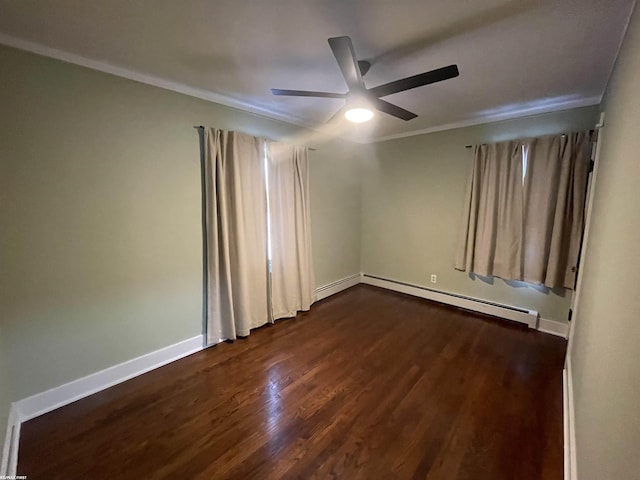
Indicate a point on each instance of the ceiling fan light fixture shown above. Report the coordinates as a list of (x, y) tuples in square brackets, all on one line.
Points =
[(358, 114), (362, 101)]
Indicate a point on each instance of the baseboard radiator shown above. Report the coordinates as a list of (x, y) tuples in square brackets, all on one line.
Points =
[(508, 312), (337, 286)]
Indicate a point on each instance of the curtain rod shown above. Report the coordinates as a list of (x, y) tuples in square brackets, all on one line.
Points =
[(200, 126), (564, 134)]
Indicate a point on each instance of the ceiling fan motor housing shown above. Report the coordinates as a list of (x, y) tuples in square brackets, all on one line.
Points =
[(363, 98)]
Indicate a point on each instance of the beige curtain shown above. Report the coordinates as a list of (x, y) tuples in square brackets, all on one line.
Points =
[(554, 195), (292, 278), (526, 224), (236, 234), (491, 240)]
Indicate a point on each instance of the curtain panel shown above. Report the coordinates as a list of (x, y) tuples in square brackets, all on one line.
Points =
[(555, 191), (491, 239), (236, 234), (292, 276), (524, 210), (257, 230)]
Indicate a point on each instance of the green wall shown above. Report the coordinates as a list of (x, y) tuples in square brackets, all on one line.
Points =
[(101, 245), (335, 211), (412, 199), (605, 351)]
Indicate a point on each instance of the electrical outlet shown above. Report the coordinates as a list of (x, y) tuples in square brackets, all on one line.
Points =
[(434, 278)]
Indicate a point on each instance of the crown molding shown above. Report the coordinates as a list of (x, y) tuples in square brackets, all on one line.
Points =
[(152, 80), (244, 106), (497, 117)]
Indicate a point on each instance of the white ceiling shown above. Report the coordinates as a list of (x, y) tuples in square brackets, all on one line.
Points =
[(516, 57)]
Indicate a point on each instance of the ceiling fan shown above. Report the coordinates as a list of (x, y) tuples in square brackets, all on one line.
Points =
[(359, 100)]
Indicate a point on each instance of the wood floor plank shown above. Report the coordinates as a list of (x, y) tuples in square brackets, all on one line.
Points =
[(368, 384)]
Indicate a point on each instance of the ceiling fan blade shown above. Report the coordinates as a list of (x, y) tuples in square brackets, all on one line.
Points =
[(408, 83), (342, 49), (306, 93), (393, 110)]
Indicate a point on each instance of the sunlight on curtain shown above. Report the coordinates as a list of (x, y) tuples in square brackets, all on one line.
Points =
[(292, 277)]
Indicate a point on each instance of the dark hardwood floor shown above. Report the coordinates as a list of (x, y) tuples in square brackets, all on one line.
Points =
[(369, 384)]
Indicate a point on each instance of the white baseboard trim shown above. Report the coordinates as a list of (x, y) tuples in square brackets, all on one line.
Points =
[(57, 397), (9, 462), (337, 286), (568, 414), (49, 400), (528, 317), (553, 327)]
